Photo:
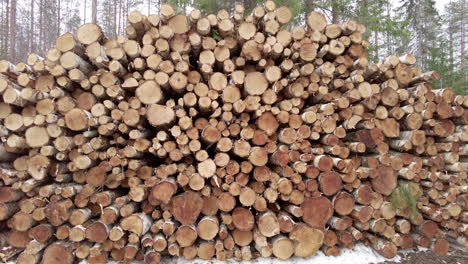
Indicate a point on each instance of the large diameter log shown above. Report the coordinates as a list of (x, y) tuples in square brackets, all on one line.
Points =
[(316, 21), (186, 207), (138, 223), (97, 232), (208, 227), (243, 219), (255, 83), (18, 239), (58, 253), (160, 115), (36, 136), (317, 211), (77, 119), (58, 212), (330, 183), (440, 247), (149, 92), (163, 191), (8, 194), (268, 224), (385, 181), (307, 240), (268, 123), (41, 233), (89, 33), (179, 24)]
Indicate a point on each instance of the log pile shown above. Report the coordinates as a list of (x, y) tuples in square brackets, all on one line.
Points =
[(226, 136)]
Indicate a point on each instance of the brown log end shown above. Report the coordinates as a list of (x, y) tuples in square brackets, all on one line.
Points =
[(186, 207), (317, 211)]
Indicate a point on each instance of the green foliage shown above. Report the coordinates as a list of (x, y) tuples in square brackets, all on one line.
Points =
[(406, 195), (180, 5), (207, 6), (455, 41), (215, 35), (380, 21)]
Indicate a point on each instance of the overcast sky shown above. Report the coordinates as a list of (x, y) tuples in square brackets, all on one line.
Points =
[(440, 4)]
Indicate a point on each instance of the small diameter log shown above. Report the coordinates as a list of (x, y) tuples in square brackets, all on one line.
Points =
[(383, 247)]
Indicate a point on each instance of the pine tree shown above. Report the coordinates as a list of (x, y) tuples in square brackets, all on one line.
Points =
[(422, 18), (455, 21)]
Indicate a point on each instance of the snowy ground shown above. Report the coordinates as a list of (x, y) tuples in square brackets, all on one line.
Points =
[(359, 255)]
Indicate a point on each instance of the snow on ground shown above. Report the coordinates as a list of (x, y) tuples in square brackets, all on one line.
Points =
[(358, 255)]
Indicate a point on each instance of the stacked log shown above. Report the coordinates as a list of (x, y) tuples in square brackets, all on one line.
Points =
[(226, 136)]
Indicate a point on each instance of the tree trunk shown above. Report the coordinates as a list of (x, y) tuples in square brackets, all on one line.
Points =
[(31, 29), (334, 12), (84, 12), (58, 18), (13, 30), (376, 39), (124, 17), (389, 41), (309, 7), (6, 32), (462, 37), (94, 11), (41, 22), (114, 28)]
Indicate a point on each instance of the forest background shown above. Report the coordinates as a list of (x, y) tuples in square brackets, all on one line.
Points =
[(436, 32)]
